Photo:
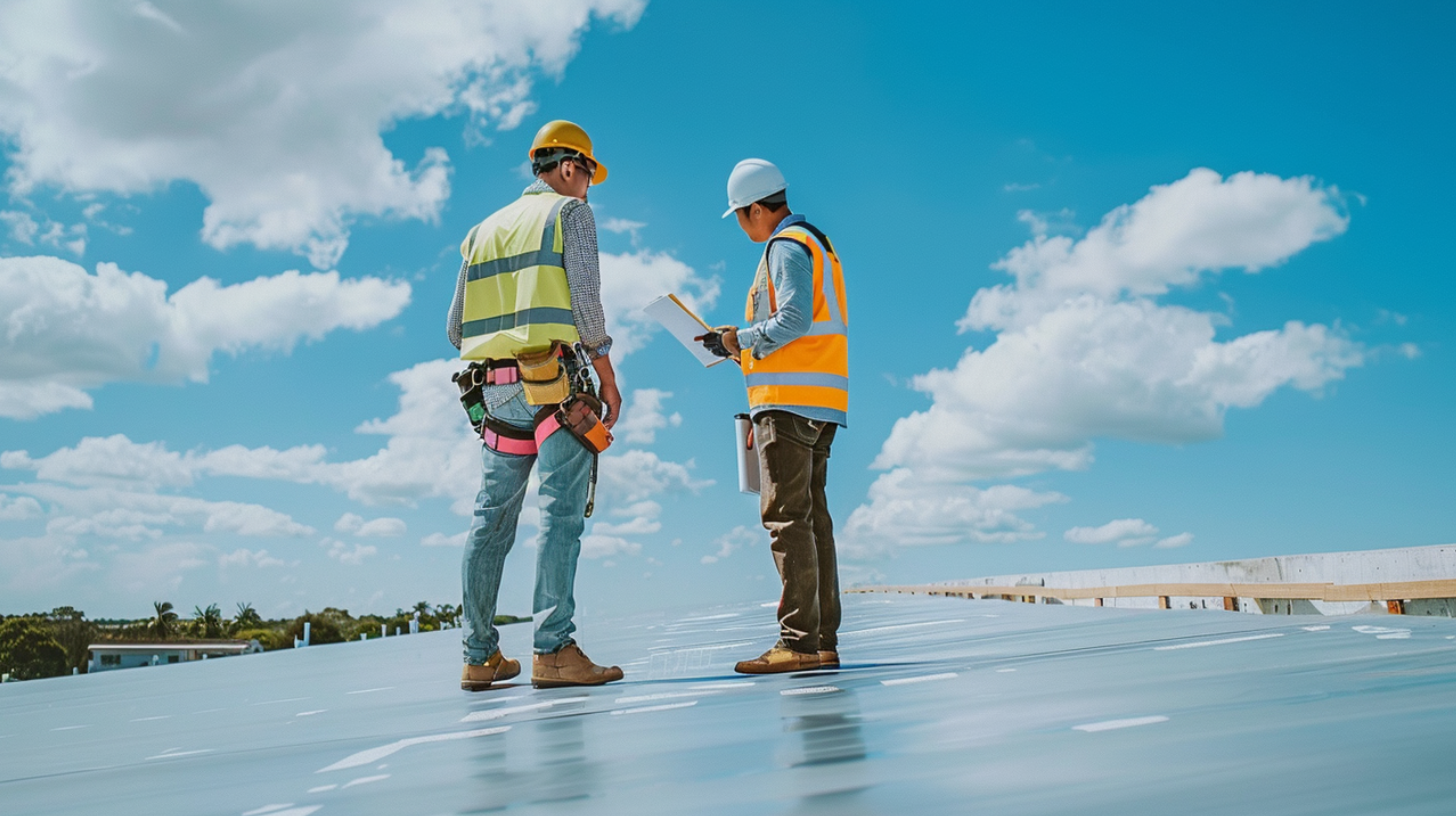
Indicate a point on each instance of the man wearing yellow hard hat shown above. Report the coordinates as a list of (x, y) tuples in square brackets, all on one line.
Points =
[(794, 352), (527, 314)]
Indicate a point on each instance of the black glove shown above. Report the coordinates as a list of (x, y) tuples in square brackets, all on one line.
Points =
[(713, 341)]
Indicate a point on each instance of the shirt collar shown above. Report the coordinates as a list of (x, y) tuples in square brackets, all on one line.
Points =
[(537, 186), (788, 222)]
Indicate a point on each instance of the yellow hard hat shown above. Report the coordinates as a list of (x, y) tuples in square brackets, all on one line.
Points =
[(561, 133)]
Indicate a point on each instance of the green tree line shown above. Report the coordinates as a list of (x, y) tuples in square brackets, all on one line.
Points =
[(49, 644)]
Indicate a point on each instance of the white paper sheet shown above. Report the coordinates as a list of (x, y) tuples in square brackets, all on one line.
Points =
[(681, 323)]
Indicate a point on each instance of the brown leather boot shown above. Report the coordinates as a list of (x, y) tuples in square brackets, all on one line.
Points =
[(496, 669), (828, 660), (569, 666), (779, 659)]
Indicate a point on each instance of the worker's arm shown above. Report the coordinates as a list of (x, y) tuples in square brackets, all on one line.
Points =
[(584, 278), (611, 397), (792, 272), (455, 317)]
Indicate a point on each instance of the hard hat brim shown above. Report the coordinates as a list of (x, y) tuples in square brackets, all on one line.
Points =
[(601, 174)]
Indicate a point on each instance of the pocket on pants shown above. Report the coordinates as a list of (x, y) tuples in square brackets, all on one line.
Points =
[(789, 427), (516, 412)]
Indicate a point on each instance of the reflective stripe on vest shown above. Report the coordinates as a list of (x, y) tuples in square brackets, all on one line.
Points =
[(811, 371), (516, 294)]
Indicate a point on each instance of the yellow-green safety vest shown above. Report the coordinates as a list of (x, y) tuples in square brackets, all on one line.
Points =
[(516, 296)]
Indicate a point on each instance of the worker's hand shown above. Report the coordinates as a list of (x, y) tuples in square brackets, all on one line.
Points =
[(722, 341), (612, 399), (730, 340)]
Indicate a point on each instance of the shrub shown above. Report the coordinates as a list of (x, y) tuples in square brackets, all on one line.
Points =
[(28, 652), (322, 629)]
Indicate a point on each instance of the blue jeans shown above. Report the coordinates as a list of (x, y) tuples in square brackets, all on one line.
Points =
[(565, 471)]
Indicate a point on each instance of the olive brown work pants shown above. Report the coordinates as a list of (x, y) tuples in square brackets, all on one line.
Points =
[(793, 461)]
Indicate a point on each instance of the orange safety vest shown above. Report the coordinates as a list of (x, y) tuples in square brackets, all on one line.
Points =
[(812, 371)]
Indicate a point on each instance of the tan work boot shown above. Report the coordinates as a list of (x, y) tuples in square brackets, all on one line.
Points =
[(779, 659), (828, 660), (569, 666), (496, 669)]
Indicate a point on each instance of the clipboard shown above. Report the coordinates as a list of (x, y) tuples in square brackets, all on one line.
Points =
[(682, 324)]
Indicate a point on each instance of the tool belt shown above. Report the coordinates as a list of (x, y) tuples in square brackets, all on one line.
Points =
[(578, 411)]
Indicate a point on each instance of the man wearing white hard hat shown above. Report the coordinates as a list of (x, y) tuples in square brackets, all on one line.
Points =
[(795, 357)]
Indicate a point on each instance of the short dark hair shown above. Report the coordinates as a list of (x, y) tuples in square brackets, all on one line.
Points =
[(545, 159), (775, 202)]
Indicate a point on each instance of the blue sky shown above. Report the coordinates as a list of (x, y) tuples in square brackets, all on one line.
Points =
[(1136, 285)]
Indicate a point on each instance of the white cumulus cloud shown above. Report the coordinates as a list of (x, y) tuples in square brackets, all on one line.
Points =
[(595, 545), (65, 331), (638, 525), (41, 562), (644, 417), (344, 554), (632, 280), (442, 540), (1080, 352), (1083, 349), (1180, 540), (1178, 231), (905, 510), (157, 567), (243, 557), (274, 110), (737, 538), (122, 512), (634, 476), (1124, 532), (383, 527), (25, 229), (19, 508), (429, 450)]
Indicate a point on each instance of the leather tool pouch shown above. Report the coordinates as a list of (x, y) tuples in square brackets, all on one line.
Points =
[(581, 417), (543, 377), (471, 397)]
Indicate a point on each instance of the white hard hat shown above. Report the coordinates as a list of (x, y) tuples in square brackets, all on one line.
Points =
[(753, 180)]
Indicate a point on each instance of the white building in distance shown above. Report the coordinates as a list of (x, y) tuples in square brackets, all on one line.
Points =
[(108, 656)]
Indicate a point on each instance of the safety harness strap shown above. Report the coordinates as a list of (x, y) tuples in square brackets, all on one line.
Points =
[(505, 444), (502, 375), (550, 425), (503, 437)]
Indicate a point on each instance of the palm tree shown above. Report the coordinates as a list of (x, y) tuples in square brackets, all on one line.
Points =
[(247, 617), (165, 622), (207, 622), (423, 607)]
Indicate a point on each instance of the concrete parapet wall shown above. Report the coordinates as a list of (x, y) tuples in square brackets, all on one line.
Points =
[(1360, 567), (1406, 564)]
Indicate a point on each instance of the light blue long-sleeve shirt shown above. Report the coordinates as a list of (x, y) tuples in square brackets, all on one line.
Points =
[(791, 269)]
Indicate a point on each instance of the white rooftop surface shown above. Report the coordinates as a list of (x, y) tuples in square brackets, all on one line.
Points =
[(943, 706)]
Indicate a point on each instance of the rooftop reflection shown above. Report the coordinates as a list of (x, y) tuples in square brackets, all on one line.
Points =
[(942, 705)]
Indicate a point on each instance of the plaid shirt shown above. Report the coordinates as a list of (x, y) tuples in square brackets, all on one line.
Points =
[(583, 278)]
